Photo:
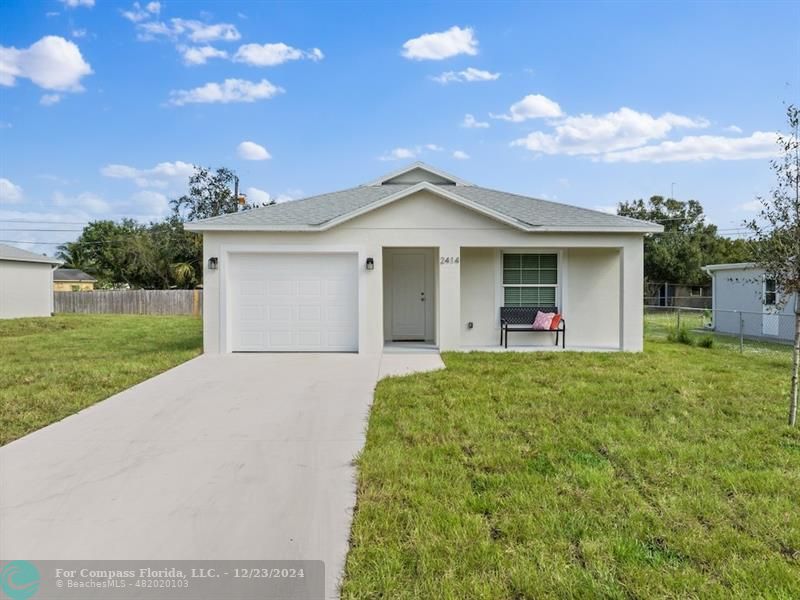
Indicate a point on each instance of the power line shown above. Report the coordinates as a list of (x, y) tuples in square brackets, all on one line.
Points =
[(56, 230), (45, 222)]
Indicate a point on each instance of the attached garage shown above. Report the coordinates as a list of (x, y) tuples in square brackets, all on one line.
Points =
[(281, 302)]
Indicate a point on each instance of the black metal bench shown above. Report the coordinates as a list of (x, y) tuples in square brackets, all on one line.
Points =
[(521, 318)]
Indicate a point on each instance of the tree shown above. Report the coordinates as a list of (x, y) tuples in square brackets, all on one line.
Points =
[(777, 233), (210, 194), (156, 255), (688, 241), (159, 255)]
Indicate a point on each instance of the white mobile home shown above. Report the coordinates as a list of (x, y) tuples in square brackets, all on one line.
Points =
[(744, 298)]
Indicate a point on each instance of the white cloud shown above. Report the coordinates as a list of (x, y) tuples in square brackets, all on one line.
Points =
[(174, 169), (203, 32), (471, 123), (437, 46), (761, 144), (52, 63), (155, 177), (50, 99), (138, 13), (257, 196), (79, 33), (10, 193), (150, 203), (252, 151), (733, 129), (77, 3), (199, 55), (532, 106), (88, 201), (190, 29), (470, 74), (752, 206), (402, 153), (230, 90), (288, 196), (399, 154), (460, 155), (269, 55), (591, 134)]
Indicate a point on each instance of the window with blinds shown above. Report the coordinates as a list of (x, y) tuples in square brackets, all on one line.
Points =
[(530, 279)]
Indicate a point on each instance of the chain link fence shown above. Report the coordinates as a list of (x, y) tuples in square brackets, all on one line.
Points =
[(741, 331)]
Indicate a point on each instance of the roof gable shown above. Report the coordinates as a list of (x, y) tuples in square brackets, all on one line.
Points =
[(441, 191), (418, 172)]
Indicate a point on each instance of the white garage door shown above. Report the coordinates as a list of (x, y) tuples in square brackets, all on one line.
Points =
[(293, 302)]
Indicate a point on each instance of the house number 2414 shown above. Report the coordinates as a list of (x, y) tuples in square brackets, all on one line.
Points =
[(449, 260)]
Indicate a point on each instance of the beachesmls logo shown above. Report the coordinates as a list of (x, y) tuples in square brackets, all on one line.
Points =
[(19, 580)]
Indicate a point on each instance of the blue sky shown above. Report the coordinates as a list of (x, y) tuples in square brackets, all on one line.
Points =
[(103, 105)]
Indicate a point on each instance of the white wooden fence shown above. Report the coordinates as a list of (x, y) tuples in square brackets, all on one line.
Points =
[(131, 302)]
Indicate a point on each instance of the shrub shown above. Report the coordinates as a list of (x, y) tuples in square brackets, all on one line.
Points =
[(707, 341), (680, 335)]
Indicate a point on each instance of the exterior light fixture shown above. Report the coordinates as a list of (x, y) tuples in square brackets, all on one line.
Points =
[(212, 263), (370, 264)]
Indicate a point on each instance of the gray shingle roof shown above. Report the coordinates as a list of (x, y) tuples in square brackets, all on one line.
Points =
[(19, 255), (71, 275), (308, 212), (317, 212)]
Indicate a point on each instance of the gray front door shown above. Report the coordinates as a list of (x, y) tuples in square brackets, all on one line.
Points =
[(409, 301)]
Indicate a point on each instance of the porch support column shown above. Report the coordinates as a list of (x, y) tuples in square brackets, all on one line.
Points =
[(449, 316), (631, 296)]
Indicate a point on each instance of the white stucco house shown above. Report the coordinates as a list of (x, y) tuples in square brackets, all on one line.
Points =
[(26, 283), (420, 256)]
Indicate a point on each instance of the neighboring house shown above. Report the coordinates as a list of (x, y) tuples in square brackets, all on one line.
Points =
[(746, 301), (26, 283), (678, 294), (417, 255), (72, 280)]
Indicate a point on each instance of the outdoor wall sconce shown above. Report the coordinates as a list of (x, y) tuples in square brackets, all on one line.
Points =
[(370, 264), (212, 263)]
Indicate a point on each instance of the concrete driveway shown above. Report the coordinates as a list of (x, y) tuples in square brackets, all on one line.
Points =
[(244, 456)]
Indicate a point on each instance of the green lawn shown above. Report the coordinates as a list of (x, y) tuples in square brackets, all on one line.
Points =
[(667, 474), (51, 368)]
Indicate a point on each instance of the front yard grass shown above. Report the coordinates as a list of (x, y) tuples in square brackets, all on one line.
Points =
[(668, 474), (51, 368)]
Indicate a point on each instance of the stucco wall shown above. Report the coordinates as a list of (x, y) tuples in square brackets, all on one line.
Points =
[(70, 286), (593, 297), (741, 290), (589, 297), (26, 289), (426, 220)]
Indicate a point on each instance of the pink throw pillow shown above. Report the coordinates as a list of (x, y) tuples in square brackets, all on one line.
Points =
[(543, 320)]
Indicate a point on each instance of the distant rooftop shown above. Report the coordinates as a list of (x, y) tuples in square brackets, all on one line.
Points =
[(62, 274)]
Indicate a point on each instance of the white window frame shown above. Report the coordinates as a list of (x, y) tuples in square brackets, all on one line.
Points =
[(559, 273), (767, 292)]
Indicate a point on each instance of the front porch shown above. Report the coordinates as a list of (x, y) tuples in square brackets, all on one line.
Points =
[(449, 298)]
